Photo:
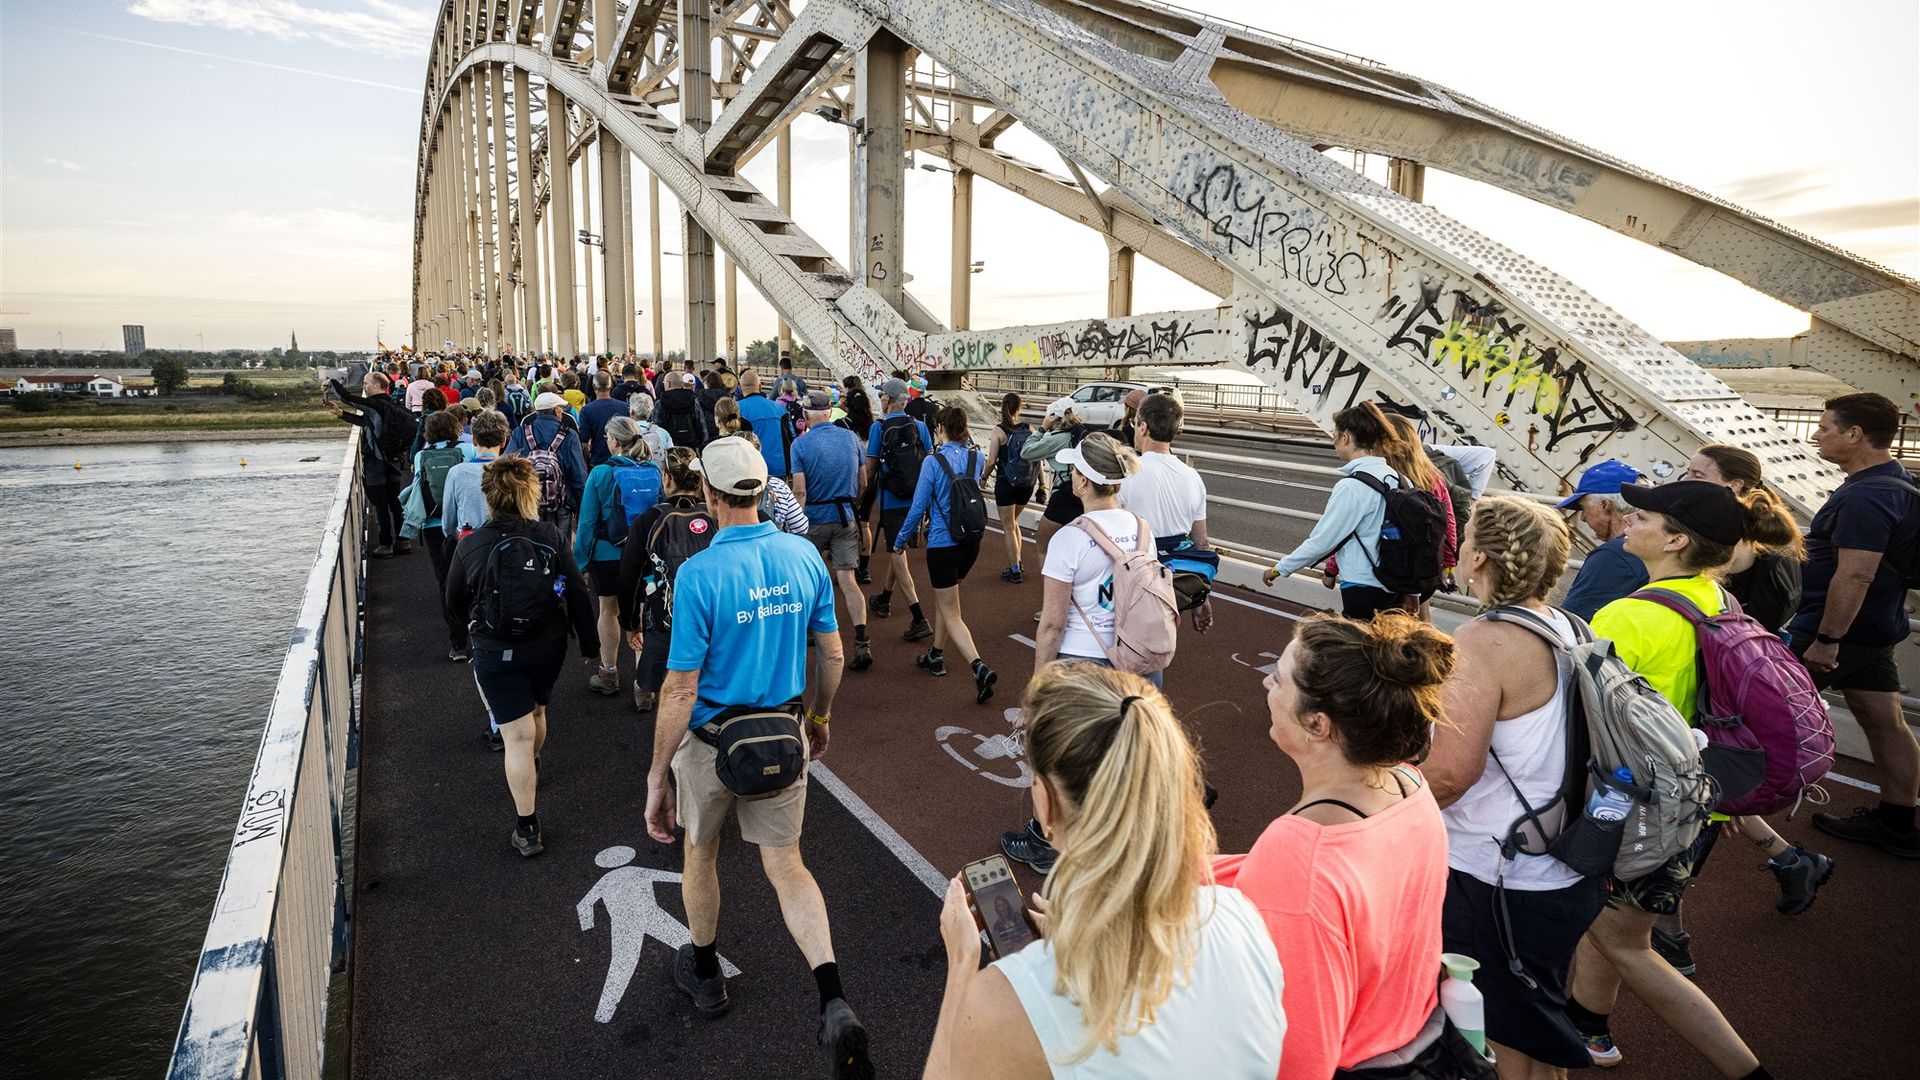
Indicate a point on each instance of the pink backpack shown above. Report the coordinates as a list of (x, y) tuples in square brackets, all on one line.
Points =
[(1767, 726), (1146, 609)]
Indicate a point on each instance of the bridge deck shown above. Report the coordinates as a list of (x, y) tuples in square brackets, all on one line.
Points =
[(468, 961)]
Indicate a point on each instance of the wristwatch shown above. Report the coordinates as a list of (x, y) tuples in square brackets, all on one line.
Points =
[(1826, 639)]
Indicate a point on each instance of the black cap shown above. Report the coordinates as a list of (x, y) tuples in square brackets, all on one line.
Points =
[(1707, 508)]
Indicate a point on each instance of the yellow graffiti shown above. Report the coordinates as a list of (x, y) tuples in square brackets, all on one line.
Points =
[(1026, 352), (1467, 350)]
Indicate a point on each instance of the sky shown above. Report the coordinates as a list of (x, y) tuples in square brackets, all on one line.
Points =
[(227, 172)]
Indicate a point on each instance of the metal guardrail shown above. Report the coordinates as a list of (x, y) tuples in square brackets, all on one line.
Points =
[(279, 929)]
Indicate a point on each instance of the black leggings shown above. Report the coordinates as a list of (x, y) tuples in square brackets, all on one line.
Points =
[(440, 550), (383, 499)]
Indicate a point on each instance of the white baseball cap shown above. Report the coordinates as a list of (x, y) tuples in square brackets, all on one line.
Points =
[(549, 400), (734, 465)]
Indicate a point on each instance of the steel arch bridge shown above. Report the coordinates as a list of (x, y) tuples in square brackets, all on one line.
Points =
[(1193, 143)]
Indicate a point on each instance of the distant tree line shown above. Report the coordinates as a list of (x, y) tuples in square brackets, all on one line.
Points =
[(223, 360)]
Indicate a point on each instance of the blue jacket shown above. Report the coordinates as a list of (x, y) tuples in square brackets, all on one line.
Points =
[(595, 505), (593, 426), (1608, 574), (931, 494), (573, 464), (1348, 528)]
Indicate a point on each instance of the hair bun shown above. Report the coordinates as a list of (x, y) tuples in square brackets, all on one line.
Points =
[(1409, 652)]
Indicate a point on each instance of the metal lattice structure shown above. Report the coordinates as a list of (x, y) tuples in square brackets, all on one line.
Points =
[(1193, 143)]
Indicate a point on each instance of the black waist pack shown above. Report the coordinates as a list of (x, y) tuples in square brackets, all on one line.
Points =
[(1438, 1052), (757, 751)]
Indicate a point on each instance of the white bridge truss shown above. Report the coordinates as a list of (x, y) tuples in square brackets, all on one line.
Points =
[(1206, 142)]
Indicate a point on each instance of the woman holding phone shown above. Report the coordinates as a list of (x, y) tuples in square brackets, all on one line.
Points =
[(1164, 973)]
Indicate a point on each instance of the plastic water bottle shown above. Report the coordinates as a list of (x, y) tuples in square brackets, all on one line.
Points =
[(1608, 803), (1461, 1000)]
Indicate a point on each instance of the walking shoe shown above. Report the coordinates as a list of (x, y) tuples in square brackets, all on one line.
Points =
[(709, 995), (527, 841), (1601, 1049), (1036, 616), (382, 551), (403, 547), (844, 1041), (931, 662), (605, 681), (1800, 880), (1676, 949), (918, 630), (862, 656), (862, 576), (1012, 575), (1023, 846), (1863, 826), (494, 741), (643, 701), (459, 654), (983, 680), (1040, 497), (881, 605)]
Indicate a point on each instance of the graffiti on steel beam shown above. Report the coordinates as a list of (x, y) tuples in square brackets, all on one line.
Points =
[(1096, 342), (1554, 179), (1302, 356), (1237, 211)]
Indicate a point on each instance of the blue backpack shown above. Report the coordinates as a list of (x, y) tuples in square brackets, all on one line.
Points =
[(636, 488)]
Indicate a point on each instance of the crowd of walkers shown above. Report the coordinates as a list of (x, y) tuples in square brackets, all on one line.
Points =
[(1463, 795)]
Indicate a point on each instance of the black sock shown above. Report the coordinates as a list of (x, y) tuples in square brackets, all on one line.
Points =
[(935, 653), (883, 596), (978, 663), (1585, 1021), (827, 978), (528, 821), (1897, 818), (918, 615), (860, 632), (706, 960), (863, 562), (1759, 1073)]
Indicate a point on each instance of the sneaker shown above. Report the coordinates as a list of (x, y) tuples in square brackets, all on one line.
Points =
[(1676, 949), (709, 995), (605, 681), (459, 654), (862, 576), (983, 680), (1800, 880), (1040, 497), (1601, 1049), (527, 841), (1012, 575), (917, 631), (844, 1041), (880, 605), (931, 662), (1863, 826), (862, 656), (643, 701), (494, 741), (1023, 846), (383, 551), (1036, 616), (403, 547)]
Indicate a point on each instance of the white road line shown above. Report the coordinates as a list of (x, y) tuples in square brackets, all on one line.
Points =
[(1025, 640), (916, 863), (1259, 607), (1851, 782), (1264, 480)]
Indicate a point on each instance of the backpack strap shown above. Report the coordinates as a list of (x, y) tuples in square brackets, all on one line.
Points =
[(1578, 743), (1380, 487)]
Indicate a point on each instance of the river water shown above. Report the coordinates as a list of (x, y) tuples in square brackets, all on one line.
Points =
[(145, 606)]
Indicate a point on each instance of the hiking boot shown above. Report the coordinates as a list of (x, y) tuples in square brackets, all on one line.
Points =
[(844, 1041), (403, 547), (862, 656), (1800, 880), (1676, 949), (1012, 575), (881, 605), (494, 741), (1863, 826), (605, 681), (526, 841), (917, 631), (862, 576), (459, 654), (709, 995), (931, 662), (1601, 1049), (383, 551), (983, 680), (1023, 846)]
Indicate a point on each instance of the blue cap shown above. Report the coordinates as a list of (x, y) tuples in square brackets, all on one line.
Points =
[(1606, 478)]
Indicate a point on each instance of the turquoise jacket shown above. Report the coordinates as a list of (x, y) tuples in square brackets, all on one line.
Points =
[(596, 504)]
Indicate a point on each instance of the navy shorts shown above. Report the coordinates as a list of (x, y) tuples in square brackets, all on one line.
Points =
[(513, 681), (1859, 667)]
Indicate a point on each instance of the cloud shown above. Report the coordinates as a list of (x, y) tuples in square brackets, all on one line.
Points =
[(63, 163), (1774, 188), (1861, 217), (233, 59), (381, 27)]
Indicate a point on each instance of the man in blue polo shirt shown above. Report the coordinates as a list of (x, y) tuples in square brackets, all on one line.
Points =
[(826, 479), (889, 438), (1609, 571), (768, 418), (1853, 591), (743, 610)]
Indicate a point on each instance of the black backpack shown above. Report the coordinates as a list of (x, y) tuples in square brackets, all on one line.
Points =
[(900, 454), (1016, 470), (395, 437), (679, 535), (678, 416), (1410, 535), (966, 508), (520, 589)]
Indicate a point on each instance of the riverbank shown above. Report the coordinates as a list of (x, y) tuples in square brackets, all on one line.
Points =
[(15, 438)]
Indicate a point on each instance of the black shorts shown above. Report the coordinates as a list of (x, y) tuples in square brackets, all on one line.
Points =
[(513, 681), (604, 576), (1540, 930), (1362, 602), (651, 666), (890, 522), (1860, 667), (1005, 494), (1063, 505), (948, 566)]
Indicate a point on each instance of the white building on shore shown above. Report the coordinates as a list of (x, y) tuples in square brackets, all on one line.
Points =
[(77, 385)]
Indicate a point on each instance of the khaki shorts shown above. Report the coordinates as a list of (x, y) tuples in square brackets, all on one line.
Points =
[(703, 802)]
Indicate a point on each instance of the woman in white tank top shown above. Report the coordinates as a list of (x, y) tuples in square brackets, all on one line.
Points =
[(1505, 739), (1138, 973)]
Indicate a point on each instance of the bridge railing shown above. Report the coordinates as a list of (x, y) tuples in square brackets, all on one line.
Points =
[(278, 933)]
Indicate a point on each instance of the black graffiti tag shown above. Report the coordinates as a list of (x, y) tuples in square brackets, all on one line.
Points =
[(1310, 358)]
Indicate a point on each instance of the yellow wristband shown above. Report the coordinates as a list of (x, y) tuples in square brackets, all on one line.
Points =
[(816, 718)]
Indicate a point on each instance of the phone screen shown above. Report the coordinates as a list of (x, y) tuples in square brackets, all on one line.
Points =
[(997, 902)]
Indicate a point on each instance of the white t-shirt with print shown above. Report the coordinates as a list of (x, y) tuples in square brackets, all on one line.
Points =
[(1075, 558), (1167, 492)]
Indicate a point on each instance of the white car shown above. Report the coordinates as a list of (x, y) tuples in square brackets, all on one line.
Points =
[(1101, 404)]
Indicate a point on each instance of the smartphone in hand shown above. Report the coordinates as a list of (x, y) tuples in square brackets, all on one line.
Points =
[(997, 906)]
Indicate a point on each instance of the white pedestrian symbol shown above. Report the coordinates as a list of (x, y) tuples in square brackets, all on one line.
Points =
[(635, 915)]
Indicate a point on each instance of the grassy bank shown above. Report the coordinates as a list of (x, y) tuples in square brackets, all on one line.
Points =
[(296, 409)]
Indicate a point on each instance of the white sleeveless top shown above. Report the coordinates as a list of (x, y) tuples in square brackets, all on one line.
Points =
[(1224, 1023), (1532, 747)]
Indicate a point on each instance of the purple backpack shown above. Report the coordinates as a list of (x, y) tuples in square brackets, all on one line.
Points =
[(1764, 719)]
